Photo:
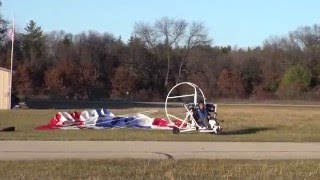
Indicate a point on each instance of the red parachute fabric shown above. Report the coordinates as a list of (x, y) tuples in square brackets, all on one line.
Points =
[(77, 118), (53, 124), (160, 122)]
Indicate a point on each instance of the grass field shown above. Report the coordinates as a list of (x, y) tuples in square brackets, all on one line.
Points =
[(160, 169), (241, 123)]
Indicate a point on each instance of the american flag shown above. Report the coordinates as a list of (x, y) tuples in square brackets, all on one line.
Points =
[(11, 34)]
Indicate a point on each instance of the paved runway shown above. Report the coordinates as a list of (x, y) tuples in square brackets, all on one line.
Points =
[(30, 150)]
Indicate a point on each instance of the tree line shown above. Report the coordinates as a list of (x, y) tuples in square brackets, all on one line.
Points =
[(92, 65)]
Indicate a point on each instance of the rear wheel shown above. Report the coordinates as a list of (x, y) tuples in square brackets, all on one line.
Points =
[(175, 130), (219, 131)]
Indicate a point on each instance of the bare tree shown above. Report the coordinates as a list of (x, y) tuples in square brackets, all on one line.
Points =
[(170, 34), (307, 36), (148, 35), (197, 35), (166, 32)]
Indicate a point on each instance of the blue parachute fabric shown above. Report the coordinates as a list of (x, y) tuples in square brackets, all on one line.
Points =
[(119, 122), (106, 122), (130, 122), (106, 111), (103, 112)]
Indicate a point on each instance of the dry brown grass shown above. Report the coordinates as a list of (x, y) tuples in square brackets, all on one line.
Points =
[(160, 169), (242, 123)]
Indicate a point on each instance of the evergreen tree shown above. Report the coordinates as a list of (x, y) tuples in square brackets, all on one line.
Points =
[(33, 44)]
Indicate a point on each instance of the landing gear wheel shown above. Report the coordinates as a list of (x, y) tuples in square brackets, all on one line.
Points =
[(219, 131), (175, 130)]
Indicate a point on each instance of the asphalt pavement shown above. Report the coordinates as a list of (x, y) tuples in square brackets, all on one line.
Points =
[(34, 150)]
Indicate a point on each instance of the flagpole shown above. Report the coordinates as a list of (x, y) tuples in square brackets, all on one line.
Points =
[(11, 63)]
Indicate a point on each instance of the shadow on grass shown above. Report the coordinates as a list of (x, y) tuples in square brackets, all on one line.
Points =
[(252, 130)]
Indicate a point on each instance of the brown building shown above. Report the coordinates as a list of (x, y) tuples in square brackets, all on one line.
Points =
[(4, 88)]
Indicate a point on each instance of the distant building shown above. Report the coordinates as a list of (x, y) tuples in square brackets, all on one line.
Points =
[(4, 88)]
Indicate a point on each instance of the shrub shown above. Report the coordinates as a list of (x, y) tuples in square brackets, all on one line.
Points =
[(293, 90), (261, 92), (295, 82), (297, 75), (315, 93)]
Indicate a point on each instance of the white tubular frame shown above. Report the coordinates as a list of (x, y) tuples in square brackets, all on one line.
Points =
[(184, 121)]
